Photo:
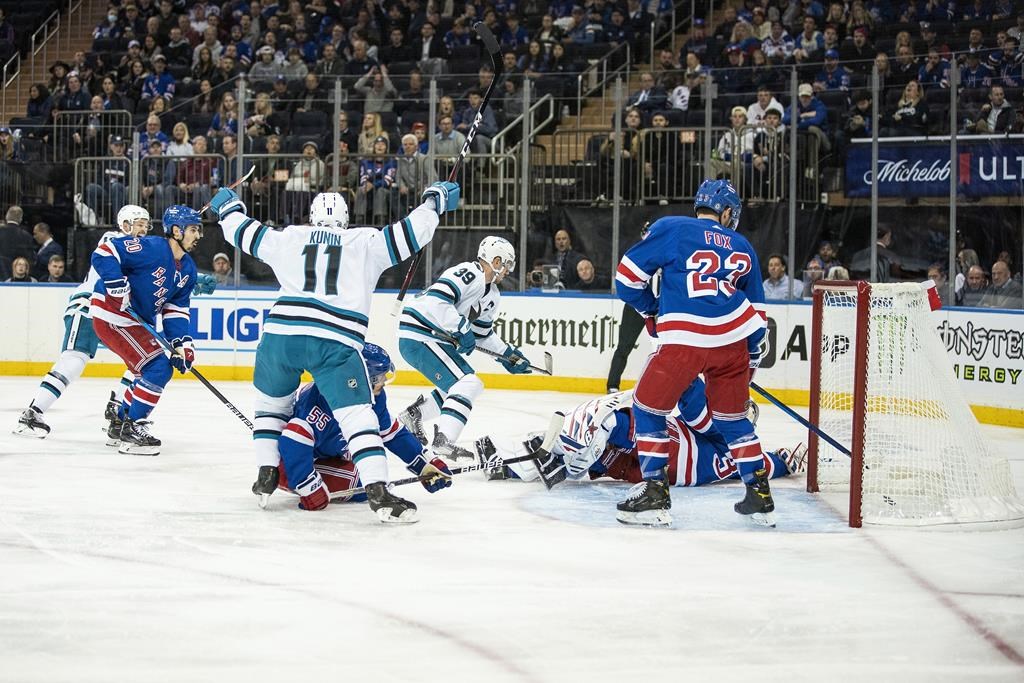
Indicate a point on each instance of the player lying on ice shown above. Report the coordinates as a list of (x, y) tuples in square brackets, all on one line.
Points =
[(598, 440), (315, 459)]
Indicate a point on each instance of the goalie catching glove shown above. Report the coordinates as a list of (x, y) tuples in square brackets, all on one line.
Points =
[(184, 354), (514, 361), (434, 475), (445, 195)]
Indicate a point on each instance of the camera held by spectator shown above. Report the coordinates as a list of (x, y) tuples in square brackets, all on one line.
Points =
[(546, 277)]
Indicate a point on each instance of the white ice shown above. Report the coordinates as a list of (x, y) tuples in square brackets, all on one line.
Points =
[(122, 568)]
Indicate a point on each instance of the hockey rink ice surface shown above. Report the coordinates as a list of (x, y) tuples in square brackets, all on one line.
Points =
[(128, 568)]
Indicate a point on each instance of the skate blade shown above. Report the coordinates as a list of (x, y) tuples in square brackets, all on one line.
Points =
[(30, 432), (407, 517), (113, 442), (263, 500), (652, 518), (766, 519), (138, 450)]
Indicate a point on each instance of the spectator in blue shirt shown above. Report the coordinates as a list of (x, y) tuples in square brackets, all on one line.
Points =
[(159, 83), (812, 115), (934, 72), (514, 35), (833, 76), (974, 74)]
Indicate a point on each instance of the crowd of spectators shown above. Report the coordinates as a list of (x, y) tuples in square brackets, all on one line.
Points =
[(29, 256)]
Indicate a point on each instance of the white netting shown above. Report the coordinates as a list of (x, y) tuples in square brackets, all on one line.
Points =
[(925, 461)]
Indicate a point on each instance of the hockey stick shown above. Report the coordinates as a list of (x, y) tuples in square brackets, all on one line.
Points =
[(163, 342), (491, 43), (554, 428), (548, 360), (802, 420), (231, 187)]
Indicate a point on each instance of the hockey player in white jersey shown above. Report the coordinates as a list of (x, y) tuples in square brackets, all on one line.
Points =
[(327, 273), (80, 340), (452, 317)]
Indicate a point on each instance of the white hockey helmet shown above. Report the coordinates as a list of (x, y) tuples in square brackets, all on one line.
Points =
[(329, 210), (129, 214), (498, 247)]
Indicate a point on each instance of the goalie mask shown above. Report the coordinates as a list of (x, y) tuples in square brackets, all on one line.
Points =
[(498, 247), (329, 210), (133, 220)]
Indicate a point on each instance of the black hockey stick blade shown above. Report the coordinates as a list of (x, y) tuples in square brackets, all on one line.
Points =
[(490, 44)]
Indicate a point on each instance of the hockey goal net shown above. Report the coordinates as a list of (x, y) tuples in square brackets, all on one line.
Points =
[(882, 385)]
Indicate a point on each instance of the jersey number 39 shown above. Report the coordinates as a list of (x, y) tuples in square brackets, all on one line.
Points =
[(702, 279), (312, 253)]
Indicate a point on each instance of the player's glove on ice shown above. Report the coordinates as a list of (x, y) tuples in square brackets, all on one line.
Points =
[(313, 493), (184, 354), (119, 292), (225, 203), (445, 195), (434, 475), (205, 284), (514, 361)]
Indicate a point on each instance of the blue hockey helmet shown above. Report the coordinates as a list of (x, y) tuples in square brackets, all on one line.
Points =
[(717, 196), (181, 216), (378, 364)]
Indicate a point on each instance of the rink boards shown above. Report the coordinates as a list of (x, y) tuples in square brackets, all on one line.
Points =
[(580, 331)]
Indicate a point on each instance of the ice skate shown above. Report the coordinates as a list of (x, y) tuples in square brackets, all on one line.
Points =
[(114, 430), (389, 508), (110, 412), (31, 424), (646, 504), (265, 484), (412, 419), (489, 460), (758, 502), (446, 449), (136, 439), (796, 459)]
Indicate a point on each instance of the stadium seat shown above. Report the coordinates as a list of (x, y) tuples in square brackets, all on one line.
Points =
[(309, 123)]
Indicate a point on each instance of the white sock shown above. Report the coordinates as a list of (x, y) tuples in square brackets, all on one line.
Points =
[(66, 370)]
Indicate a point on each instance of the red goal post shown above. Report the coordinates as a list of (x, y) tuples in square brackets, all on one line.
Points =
[(882, 383)]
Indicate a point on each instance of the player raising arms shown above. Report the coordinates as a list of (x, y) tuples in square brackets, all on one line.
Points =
[(315, 456), (80, 341), (705, 322), (327, 272), (153, 276), (452, 317), (597, 441)]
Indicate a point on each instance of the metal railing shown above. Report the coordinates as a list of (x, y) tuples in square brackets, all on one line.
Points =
[(83, 133), (10, 74), (598, 75)]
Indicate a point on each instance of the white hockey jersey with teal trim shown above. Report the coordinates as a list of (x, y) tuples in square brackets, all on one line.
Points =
[(459, 300), (78, 303), (327, 275)]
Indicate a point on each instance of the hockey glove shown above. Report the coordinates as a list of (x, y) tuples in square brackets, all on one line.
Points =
[(313, 493), (465, 340), (757, 348), (184, 354), (514, 361), (434, 475), (205, 284), (651, 323), (445, 196), (226, 202), (119, 292)]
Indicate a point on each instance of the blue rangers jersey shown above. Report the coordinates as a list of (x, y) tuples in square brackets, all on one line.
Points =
[(161, 285), (460, 300), (710, 284), (327, 274), (78, 302), (313, 434)]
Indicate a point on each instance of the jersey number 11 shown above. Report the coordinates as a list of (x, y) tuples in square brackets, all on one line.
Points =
[(312, 252)]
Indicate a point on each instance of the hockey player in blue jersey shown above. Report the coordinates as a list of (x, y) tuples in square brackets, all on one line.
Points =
[(597, 440), (151, 276), (80, 341), (706, 323), (327, 273), (315, 457)]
